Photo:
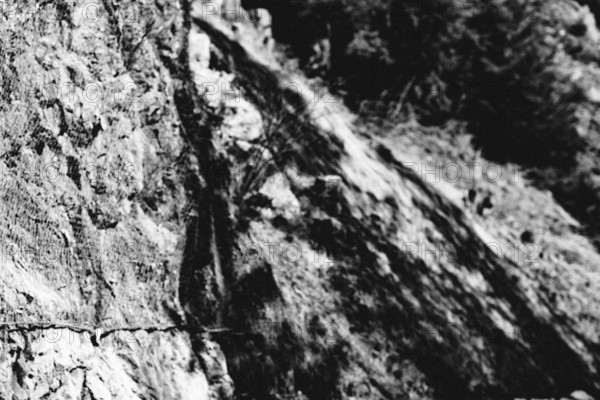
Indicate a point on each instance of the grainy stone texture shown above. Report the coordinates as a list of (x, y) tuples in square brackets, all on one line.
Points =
[(179, 222)]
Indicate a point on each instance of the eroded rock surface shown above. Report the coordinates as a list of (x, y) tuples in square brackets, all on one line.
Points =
[(182, 217)]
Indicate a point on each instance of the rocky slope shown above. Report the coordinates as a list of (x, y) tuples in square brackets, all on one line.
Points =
[(185, 215)]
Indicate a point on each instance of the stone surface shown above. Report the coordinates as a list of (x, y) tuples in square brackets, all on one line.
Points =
[(177, 223)]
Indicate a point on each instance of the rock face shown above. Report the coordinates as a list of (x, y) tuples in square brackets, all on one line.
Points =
[(184, 218), (98, 187)]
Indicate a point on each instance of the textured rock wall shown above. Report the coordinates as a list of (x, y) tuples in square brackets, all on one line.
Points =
[(182, 217), (95, 202)]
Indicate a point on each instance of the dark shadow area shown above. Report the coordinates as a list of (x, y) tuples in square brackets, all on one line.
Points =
[(342, 42)]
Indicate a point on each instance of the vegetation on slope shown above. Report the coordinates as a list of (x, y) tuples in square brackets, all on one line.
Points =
[(523, 74)]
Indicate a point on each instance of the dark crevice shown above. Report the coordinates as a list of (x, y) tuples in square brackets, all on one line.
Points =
[(209, 235)]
